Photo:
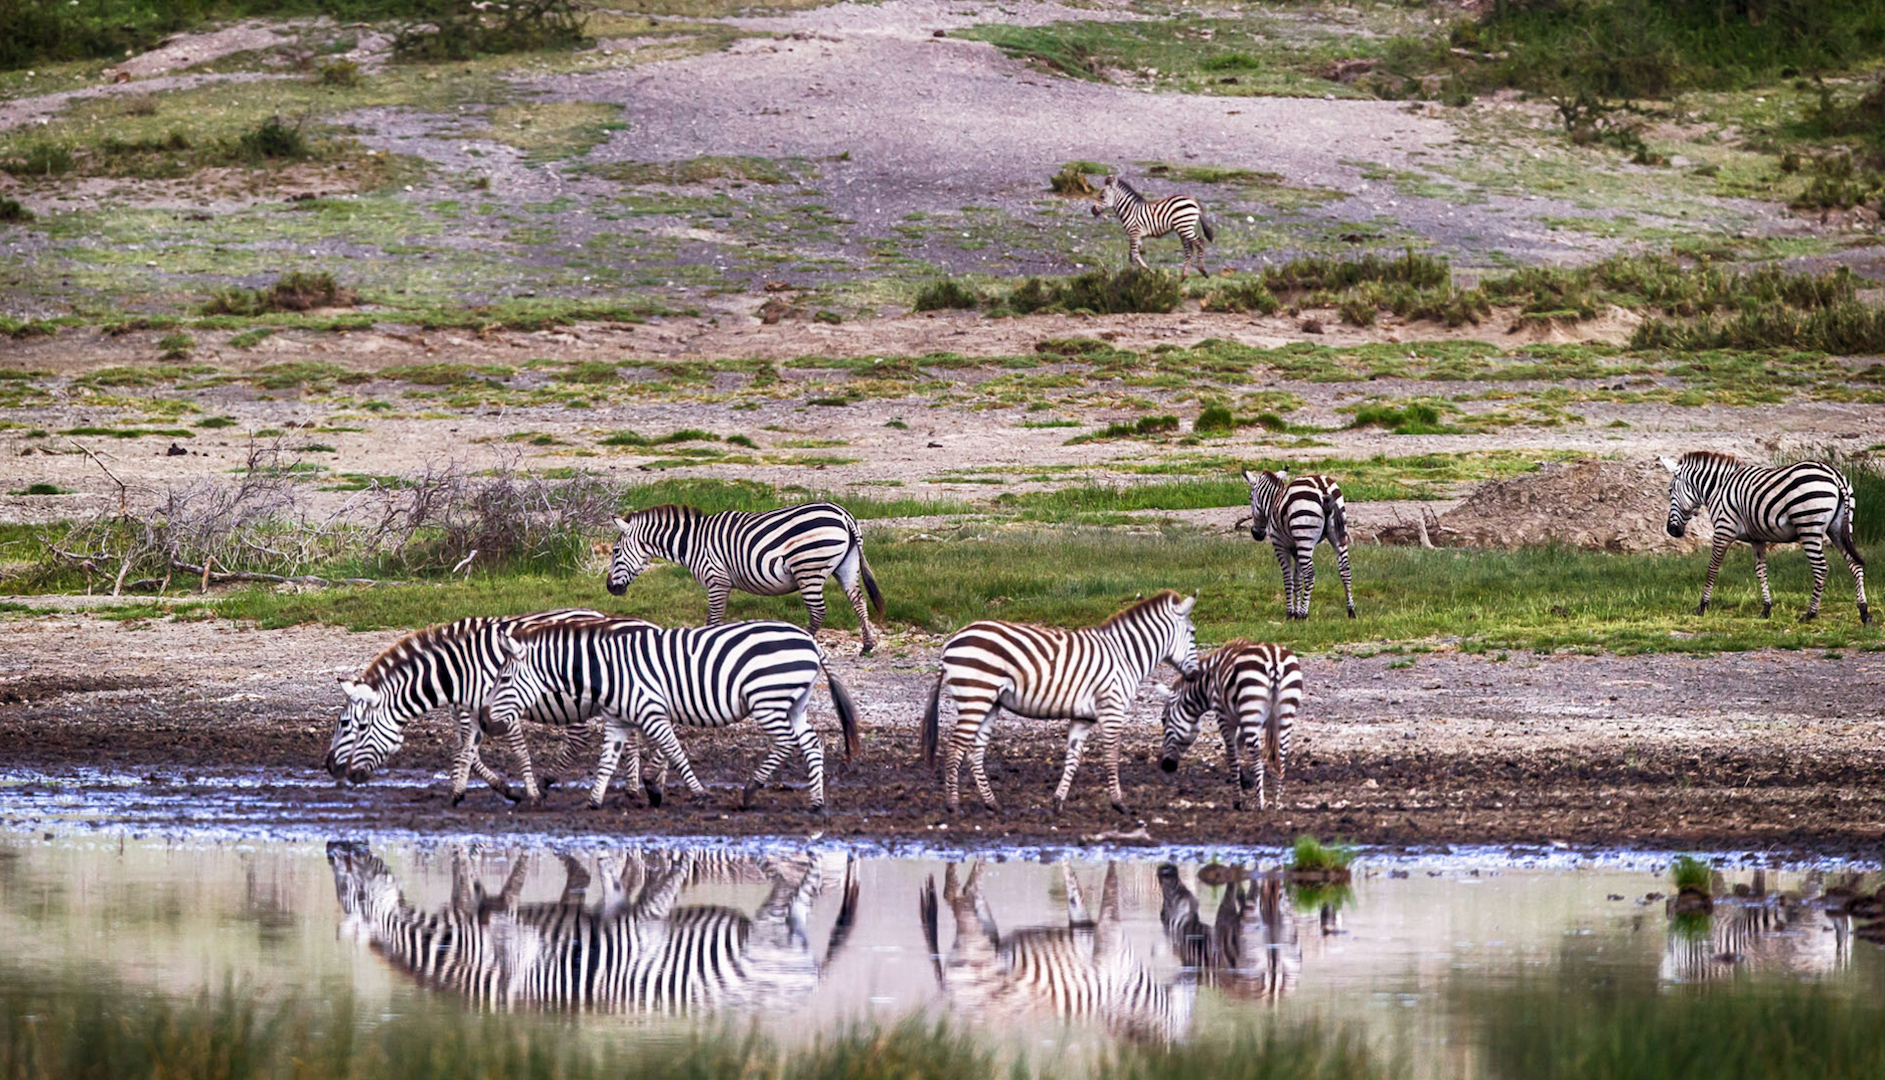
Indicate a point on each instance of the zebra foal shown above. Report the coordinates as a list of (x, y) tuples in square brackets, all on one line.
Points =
[(1297, 514), (1255, 690), (1152, 218), (792, 549), (452, 666), (1087, 677), (1809, 502), (650, 678)]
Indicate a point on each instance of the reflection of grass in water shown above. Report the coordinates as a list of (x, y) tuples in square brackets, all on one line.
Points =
[(52, 1031), (1778, 1033)]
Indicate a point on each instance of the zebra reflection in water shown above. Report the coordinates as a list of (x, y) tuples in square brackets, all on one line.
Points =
[(1778, 937), (638, 951), (1085, 972), (1250, 952)]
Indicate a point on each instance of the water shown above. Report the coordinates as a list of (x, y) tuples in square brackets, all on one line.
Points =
[(1057, 957)]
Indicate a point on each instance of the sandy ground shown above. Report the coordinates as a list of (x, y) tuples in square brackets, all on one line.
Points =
[(1761, 751)]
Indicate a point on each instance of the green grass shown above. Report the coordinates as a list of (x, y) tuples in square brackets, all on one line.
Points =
[(1690, 874), (1311, 856), (1070, 575)]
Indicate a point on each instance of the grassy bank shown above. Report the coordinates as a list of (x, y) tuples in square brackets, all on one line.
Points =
[(1485, 601)]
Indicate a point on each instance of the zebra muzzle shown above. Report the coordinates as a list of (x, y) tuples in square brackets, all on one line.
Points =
[(1169, 764), (359, 774)]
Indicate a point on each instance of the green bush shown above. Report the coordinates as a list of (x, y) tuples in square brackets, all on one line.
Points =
[(176, 346), (297, 290), (946, 294), (11, 210), (461, 29), (1408, 418), (41, 159), (1072, 179), (1125, 292), (1215, 419), (339, 73), (1237, 295), (1688, 873), (272, 141), (1320, 272), (1310, 855)]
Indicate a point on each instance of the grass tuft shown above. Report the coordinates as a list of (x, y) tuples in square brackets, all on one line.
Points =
[(1690, 874), (1311, 856), (297, 290)]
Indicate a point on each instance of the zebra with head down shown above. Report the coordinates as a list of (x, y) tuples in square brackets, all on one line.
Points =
[(1250, 950), (639, 951), (1084, 972)]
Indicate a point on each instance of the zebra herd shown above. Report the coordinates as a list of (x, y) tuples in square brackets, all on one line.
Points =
[(567, 668)]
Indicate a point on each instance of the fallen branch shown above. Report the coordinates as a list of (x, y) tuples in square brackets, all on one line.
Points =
[(206, 574), (123, 509)]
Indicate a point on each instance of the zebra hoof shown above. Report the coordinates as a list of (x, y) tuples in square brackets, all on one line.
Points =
[(1121, 807), (1351, 611), (1865, 614), (1701, 609), (1809, 616), (654, 795), (747, 795), (592, 804), (459, 796), (1767, 610), (502, 789), (819, 809), (1058, 804)]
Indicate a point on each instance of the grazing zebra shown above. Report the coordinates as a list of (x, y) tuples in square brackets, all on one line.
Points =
[(451, 666), (1084, 972), (1087, 676), (792, 549), (1808, 502), (1771, 938), (637, 952), (645, 677), (1255, 691), (1250, 951), (1297, 514), (1143, 218)]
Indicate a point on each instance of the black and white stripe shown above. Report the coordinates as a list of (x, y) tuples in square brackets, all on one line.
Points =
[(453, 667), (1084, 972), (792, 549), (647, 678), (637, 952), (1809, 502), (1087, 676), (1144, 218), (1250, 951), (1297, 514), (1255, 690)]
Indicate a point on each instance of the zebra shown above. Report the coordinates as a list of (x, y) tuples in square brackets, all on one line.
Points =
[(452, 666), (1084, 972), (1297, 514), (1143, 217), (1809, 502), (1086, 676), (792, 549), (650, 678), (639, 951), (1251, 950), (1255, 690)]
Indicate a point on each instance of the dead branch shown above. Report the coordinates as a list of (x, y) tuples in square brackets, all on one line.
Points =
[(204, 572), (123, 500)]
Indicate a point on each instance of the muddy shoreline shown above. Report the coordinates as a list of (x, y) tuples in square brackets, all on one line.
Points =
[(1767, 752)]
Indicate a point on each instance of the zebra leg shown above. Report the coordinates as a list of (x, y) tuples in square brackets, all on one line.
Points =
[(1112, 731), (717, 590), (1253, 726), (466, 758), (571, 748), (1857, 565), (775, 756), (978, 755), (1227, 730), (847, 574), (1077, 732), (1760, 572), (1282, 722), (1815, 549), (1714, 570), (660, 730), (1135, 256), (812, 591), (1348, 579), (973, 718), (520, 753), (612, 743), (1286, 559), (1305, 577)]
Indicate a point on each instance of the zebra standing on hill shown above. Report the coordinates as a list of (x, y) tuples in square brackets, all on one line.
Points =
[(1151, 218), (1083, 972), (1255, 690), (650, 678), (1087, 676), (792, 549), (1809, 502), (452, 666), (1297, 514)]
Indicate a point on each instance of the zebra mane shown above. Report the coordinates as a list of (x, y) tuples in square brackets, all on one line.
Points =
[(665, 508), (400, 653), (1163, 596), (1120, 182), (1702, 457)]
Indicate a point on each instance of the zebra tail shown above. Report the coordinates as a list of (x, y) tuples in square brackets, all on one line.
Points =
[(927, 908), (1338, 518), (870, 583), (1840, 529), (932, 721), (1204, 223), (847, 713), (847, 913)]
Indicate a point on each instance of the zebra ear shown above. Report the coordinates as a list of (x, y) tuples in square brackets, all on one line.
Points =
[(1248, 478), (622, 524), (1668, 463), (356, 690), (510, 645), (1185, 605), (1109, 180), (1162, 693)]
